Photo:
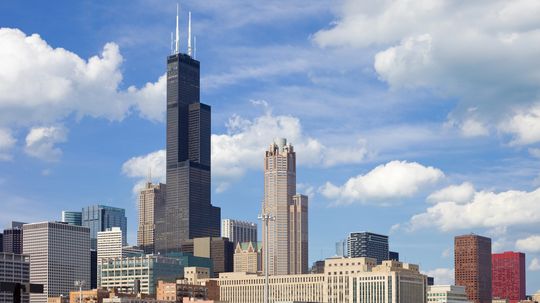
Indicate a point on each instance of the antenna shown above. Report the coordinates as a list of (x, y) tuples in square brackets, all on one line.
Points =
[(149, 177), (172, 42), (189, 36), (177, 31), (194, 46)]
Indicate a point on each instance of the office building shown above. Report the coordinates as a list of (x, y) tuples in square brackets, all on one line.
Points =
[(287, 232), (446, 294), (100, 217), (72, 217), (14, 268), (238, 231), (121, 273), (508, 276), (344, 280), (393, 255), (93, 269), (472, 264), (150, 197), (1, 242), (317, 267), (13, 238), (59, 255), (220, 250), (341, 248), (187, 212), (248, 257), (368, 245), (109, 243)]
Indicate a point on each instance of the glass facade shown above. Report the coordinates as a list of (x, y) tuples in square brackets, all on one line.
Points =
[(100, 217), (187, 212), (72, 217), (367, 244)]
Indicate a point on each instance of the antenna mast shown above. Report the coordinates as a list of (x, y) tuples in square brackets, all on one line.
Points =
[(194, 46), (172, 42), (177, 31), (189, 36)]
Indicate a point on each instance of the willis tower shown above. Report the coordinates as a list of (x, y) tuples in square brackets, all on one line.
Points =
[(187, 212)]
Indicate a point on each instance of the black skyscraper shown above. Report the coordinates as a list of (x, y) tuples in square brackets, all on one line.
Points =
[(187, 212)]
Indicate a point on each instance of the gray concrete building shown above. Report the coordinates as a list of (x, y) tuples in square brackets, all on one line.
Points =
[(14, 268), (238, 231)]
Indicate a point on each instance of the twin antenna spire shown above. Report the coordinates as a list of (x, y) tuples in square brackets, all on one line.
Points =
[(176, 42)]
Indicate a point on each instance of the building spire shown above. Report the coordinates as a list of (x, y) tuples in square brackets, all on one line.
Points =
[(177, 41), (189, 35), (194, 47)]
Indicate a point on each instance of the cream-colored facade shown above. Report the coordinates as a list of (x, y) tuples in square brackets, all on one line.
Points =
[(287, 232), (149, 196), (247, 257), (345, 280), (446, 294)]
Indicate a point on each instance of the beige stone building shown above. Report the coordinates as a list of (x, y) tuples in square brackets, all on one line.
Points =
[(149, 196), (287, 233), (345, 280), (248, 257)]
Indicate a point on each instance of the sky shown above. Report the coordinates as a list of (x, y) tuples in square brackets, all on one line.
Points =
[(419, 119)]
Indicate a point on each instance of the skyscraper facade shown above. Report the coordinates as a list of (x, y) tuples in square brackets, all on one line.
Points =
[(287, 232), (13, 238), (239, 231), (72, 217), (187, 212), (150, 197), (14, 268), (472, 263), (59, 255), (508, 276), (100, 217), (369, 245), (341, 248)]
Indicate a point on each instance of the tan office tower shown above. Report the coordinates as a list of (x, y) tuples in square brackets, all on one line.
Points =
[(149, 197), (472, 263), (287, 232)]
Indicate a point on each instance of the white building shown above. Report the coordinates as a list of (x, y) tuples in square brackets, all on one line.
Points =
[(446, 294), (239, 231), (109, 243), (59, 255)]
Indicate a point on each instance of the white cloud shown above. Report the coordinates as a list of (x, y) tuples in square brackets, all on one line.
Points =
[(454, 49), (457, 193), (485, 210), (535, 152), (41, 142), (529, 244), (395, 179), (534, 265), (441, 276), (6, 144), (142, 166), (41, 84)]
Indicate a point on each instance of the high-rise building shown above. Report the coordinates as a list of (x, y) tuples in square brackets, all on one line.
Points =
[(239, 231), (1, 242), (187, 212), (368, 245), (393, 255), (100, 217), (472, 264), (248, 257), (446, 294), (109, 243), (220, 250), (59, 255), (72, 217), (341, 248), (14, 268), (13, 238), (508, 276), (287, 232), (150, 197)]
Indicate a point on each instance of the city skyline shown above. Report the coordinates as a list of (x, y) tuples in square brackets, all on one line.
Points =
[(364, 113)]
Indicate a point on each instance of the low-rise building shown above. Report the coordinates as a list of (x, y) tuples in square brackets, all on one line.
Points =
[(89, 296), (446, 294)]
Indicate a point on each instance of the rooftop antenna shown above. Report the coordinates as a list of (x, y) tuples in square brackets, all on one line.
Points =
[(149, 177), (189, 35), (194, 46), (172, 43), (177, 31)]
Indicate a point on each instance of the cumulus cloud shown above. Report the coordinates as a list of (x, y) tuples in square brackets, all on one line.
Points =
[(395, 179), (486, 209), (242, 148), (417, 47), (6, 144), (40, 84), (534, 265), (529, 244), (458, 193), (41, 142), (141, 167), (441, 276)]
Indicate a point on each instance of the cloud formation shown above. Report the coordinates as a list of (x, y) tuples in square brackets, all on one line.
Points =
[(393, 180), (457, 193), (41, 142), (454, 49), (141, 167), (7, 142), (530, 244)]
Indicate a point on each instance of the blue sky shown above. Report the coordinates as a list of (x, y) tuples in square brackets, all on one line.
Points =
[(418, 119)]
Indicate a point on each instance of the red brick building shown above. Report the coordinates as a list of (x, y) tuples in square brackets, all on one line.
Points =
[(508, 276), (472, 263)]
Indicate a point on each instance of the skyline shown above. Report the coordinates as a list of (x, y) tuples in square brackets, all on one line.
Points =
[(397, 108)]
